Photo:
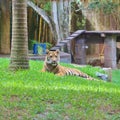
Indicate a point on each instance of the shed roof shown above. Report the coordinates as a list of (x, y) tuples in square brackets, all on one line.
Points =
[(105, 32), (84, 32)]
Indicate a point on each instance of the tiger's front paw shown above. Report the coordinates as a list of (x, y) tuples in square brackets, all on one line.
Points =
[(60, 74)]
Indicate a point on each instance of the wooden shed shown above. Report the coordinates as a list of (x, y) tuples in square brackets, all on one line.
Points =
[(82, 37)]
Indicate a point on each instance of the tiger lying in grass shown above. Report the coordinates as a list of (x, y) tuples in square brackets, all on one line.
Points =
[(51, 64)]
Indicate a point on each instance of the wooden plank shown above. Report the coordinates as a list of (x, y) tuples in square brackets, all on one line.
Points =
[(60, 45), (80, 51), (79, 32), (74, 35), (70, 38), (64, 41), (104, 32), (94, 39), (55, 48)]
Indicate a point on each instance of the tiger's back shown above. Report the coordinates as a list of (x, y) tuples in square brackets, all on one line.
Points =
[(72, 71)]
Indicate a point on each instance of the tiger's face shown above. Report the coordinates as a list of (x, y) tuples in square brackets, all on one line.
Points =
[(52, 57)]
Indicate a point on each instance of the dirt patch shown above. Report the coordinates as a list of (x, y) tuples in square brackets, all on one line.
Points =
[(14, 98), (112, 112), (108, 109)]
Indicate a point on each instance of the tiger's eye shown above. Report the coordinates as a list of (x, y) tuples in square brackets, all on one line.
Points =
[(56, 56), (50, 56)]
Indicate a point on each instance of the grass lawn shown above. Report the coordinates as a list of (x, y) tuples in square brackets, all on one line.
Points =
[(33, 95)]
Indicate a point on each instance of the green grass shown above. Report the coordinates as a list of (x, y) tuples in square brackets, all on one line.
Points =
[(31, 94)]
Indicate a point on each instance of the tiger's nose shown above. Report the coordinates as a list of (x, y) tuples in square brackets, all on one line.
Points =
[(54, 61)]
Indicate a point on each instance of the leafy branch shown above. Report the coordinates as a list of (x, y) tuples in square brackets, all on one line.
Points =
[(106, 6)]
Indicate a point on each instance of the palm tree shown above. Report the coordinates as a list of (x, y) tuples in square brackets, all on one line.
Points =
[(19, 47)]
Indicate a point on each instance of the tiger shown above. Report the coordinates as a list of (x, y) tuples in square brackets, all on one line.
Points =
[(51, 64)]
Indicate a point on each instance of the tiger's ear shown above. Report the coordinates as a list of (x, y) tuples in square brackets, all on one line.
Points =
[(47, 51), (57, 51)]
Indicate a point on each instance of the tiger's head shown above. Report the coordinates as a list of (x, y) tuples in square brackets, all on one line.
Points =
[(52, 57)]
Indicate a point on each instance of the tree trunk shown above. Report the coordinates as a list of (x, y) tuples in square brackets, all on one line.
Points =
[(47, 18), (31, 27), (19, 50), (55, 19), (61, 13), (59, 23), (4, 27)]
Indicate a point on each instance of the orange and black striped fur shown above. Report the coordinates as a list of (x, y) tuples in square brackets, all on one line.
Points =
[(51, 64)]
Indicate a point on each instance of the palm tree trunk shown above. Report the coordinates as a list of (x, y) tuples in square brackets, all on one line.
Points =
[(19, 50)]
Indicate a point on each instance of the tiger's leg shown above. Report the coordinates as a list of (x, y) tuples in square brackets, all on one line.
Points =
[(43, 70), (60, 74), (82, 74)]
